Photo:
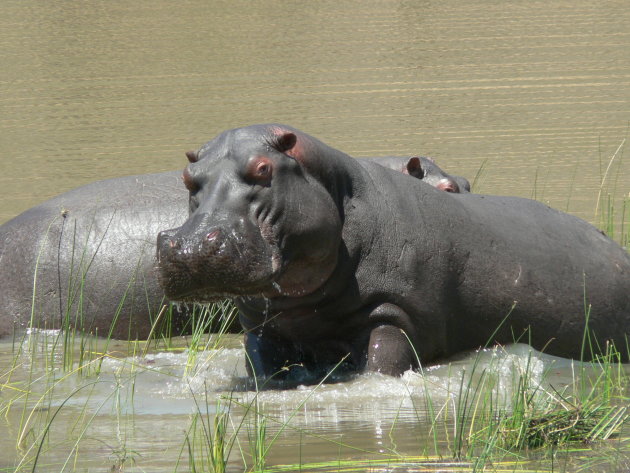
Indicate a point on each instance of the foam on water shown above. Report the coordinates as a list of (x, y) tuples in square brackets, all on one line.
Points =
[(174, 382)]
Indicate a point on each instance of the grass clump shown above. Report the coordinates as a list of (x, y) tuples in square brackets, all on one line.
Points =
[(549, 419), (207, 441), (567, 423), (539, 417), (488, 419)]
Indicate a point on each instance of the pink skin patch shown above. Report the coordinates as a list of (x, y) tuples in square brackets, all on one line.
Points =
[(296, 151), (259, 170), (447, 186)]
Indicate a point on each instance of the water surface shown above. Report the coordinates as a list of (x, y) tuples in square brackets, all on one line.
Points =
[(537, 92), (142, 408)]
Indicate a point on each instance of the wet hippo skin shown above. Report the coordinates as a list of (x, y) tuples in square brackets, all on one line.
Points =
[(328, 259), (90, 254)]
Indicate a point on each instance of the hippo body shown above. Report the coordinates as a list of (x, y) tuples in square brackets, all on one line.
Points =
[(328, 259), (104, 233)]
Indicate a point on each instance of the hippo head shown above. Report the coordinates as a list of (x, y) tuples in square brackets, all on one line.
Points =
[(426, 169), (261, 222)]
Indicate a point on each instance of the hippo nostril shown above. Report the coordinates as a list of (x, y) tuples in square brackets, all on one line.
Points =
[(212, 235)]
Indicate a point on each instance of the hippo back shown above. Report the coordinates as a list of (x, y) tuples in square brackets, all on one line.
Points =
[(88, 253)]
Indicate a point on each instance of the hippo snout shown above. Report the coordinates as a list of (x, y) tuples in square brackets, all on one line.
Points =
[(209, 261), (166, 242), (174, 246), (184, 261), (448, 185)]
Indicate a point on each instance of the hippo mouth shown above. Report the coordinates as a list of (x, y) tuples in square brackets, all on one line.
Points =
[(190, 276), (189, 287), (215, 267)]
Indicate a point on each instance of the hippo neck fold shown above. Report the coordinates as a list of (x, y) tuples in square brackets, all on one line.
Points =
[(346, 180)]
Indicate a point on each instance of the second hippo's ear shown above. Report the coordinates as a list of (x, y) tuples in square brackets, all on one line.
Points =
[(192, 156), (414, 167), (284, 141)]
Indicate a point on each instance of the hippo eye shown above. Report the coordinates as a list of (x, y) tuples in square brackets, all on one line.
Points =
[(260, 170), (263, 170), (448, 186), (454, 189)]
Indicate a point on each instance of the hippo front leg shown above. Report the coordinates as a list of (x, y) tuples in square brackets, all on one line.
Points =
[(389, 351), (266, 356), (273, 359)]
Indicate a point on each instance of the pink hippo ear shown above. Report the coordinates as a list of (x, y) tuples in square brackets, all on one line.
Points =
[(284, 141), (192, 156), (414, 168)]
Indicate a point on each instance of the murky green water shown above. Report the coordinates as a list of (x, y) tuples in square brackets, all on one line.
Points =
[(535, 93)]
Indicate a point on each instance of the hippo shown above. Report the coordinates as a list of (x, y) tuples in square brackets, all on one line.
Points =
[(104, 234), (424, 168), (333, 263)]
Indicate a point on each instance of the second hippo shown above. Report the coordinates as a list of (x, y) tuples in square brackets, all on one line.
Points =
[(424, 168)]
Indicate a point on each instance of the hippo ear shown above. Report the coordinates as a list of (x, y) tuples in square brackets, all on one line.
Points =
[(192, 156), (284, 141), (414, 167)]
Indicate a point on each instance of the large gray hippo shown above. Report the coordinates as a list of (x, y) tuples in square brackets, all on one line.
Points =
[(327, 259), (92, 251)]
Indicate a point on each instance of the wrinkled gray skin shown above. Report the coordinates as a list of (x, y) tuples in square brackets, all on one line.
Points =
[(116, 222), (103, 233), (424, 168), (326, 259)]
